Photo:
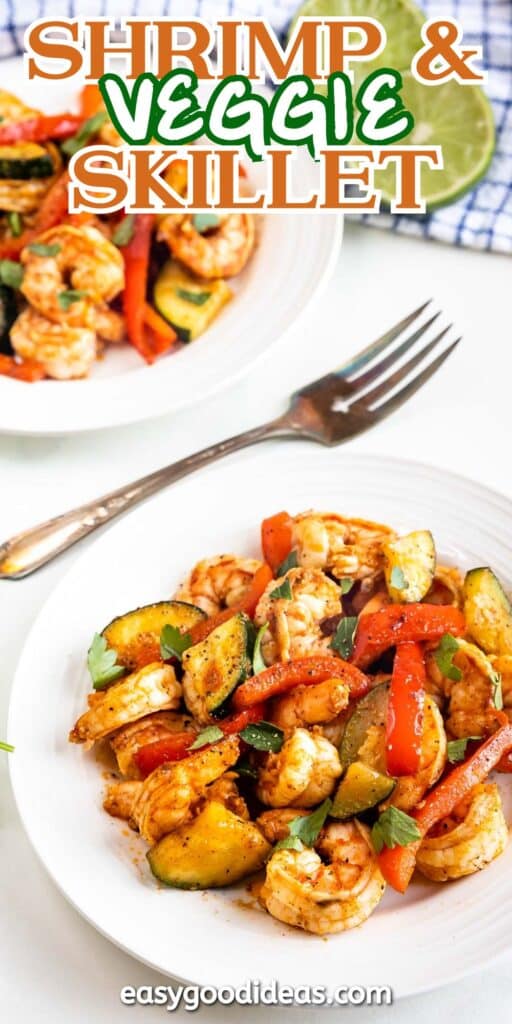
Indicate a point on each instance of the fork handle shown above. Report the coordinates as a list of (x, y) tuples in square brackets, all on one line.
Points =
[(35, 547)]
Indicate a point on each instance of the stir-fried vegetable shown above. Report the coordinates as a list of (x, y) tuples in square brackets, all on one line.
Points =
[(284, 676), (405, 710), (398, 624)]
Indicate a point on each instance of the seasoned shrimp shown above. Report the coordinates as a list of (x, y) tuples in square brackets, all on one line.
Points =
[(225, 791), (108, 324), (168, 796), (302, 774), (343, 547), (470, 700), (275, 824), (310, 705), (502, 664), (128, 740), (324, 898), (447, 587), (86, 263), (294, 625), (121, 797), (221, 252), (152, 688), (65, 351), (219, 582), (470, 838)]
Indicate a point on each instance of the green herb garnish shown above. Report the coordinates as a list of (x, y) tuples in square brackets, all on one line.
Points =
[(204, 221), (89, 128), (397, 579), (291, 562), (211, 734), (102, 663), (15, 223), (305, 829), (245, 769), (343, 639), (497, 692), (284, 591), (257, 660), (394, 828), (9, 749), (123, 233), (67, 298), (346, 584), (443, 656), (44, 250), (263, 736), (173, 643), (456, 749), (11, 273), (196, 298)]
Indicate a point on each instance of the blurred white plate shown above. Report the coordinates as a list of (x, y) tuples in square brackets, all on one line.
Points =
[(294, 258), (429, 937)]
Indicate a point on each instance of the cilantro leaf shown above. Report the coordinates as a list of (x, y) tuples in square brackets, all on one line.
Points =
[(456, 749), (257, 660), (263, 736), (346, 584), (343, 639), (44, 250), (291, 562), (11, 273), (211, 734), (444, 657), (7, 747), (307, 827), (67, 298), (497, 692), (85, 133), (284, 591), (204, 221), (123, 233), (289, 843), (245, 769), (196, 298), (15, 223), (102, 663), (397, 579), (394, 828), (173, 644)]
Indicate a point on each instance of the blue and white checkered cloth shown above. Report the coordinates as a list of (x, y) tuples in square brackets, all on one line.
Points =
[(482, 219)]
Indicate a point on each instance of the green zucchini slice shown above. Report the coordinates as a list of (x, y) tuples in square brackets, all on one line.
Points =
[(410, 564), (216, 849), (370, 710), (361, 789), (187, 303), (217, 665), (24, 160), (136, 635), (487, 611)]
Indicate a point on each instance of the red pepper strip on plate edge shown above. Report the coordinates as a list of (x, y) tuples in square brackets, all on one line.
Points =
[(397, 864), (405, 710), (399, 623), (276, 538), (147, 341), (29, 370), (285, 675), (260, 581), (177, 746), (41, 128)]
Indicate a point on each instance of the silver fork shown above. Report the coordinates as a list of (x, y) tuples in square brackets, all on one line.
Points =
[(332, 409)]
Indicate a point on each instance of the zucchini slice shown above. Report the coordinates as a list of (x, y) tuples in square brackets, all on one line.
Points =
[(24, 160), (187, 303), (136, 635), (370, 710), (217, 665), (410, 564), (217, 848), (361, 789), (487, 611)]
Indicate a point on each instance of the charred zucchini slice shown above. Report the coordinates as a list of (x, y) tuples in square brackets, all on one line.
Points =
[(24, 160), (370, 710), (217, 665), (136, 635), (487, 611), (410, 566), (188, 304), (217, 848), (361, 789)]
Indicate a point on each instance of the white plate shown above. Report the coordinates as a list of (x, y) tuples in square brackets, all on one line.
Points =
[(434, 934), (294, 258)]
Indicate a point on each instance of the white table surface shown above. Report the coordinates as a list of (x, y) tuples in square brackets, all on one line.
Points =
[(53, 966)]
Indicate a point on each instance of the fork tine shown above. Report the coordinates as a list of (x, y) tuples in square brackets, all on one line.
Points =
[(373, 350), (417, 382), (358, 383), (388, 383)]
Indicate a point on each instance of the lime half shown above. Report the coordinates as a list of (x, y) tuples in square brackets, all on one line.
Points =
[(458, 118)]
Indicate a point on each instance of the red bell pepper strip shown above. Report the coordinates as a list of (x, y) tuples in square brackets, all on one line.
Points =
[(164, 335), (285, 675), (53, 210), (39, 129), (276, 539), (177, 746), (260, 581), (91, 100), (397, 864), (405, 711), (29, 370), (399, 623), (136, 266)]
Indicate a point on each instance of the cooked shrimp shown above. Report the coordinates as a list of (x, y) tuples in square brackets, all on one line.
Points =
[(121, 797), (152, 688), (475, 833), (108, 324), (447, 587), (275, 824), (219, 582), (225, 791), (310, 705), (302, 774), (168, 796), (128, 740), (65, 351), (471, 710), (502, 664), (220, 252), (294, 625), (343, 547), (324, 898), (25, 195), (86, 263)]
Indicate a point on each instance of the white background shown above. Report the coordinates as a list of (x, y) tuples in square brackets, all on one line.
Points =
[(53, 966)]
